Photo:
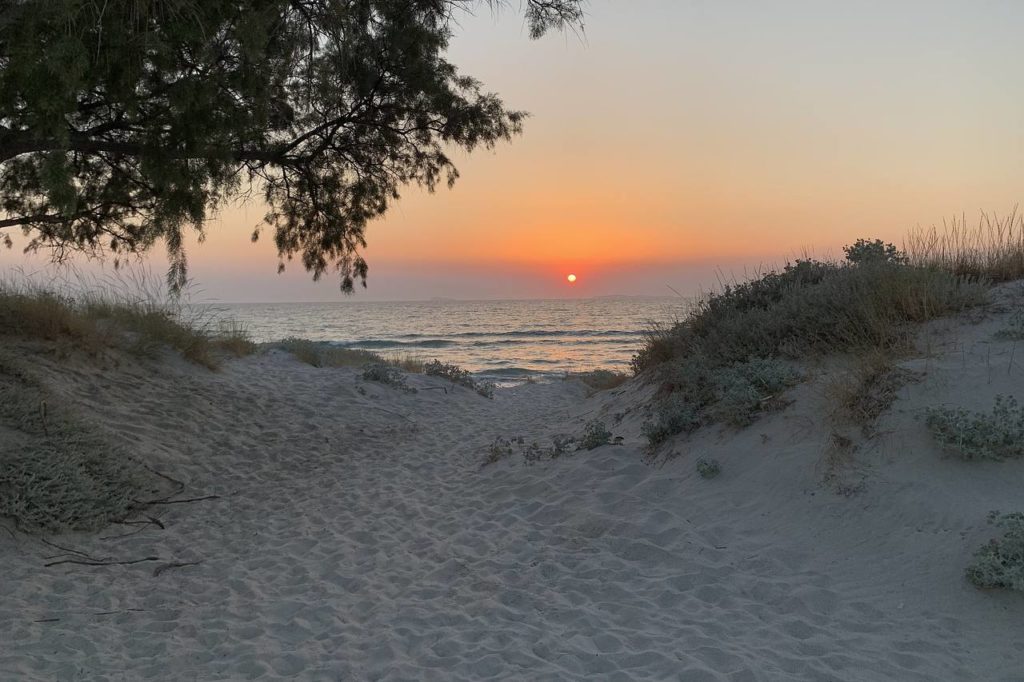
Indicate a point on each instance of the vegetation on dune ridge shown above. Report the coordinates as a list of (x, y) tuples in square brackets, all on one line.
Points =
[(57, 473), (728, 360), (990, 251), (130, 318), (459, 376)]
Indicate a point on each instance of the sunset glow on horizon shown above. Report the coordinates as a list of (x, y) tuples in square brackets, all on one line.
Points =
[(679, 140)]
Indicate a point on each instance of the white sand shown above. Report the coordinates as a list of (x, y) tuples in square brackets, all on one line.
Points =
[(357, 538)]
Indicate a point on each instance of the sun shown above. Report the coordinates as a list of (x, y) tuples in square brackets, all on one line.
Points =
[(571, 278)]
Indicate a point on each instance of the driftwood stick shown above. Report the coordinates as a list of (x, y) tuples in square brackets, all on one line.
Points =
[(190, 499), (101, 563)]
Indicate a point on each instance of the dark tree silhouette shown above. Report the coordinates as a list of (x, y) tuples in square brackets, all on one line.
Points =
[(127, 122)]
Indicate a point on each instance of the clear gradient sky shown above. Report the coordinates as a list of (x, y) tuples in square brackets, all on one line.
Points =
[(681, 136)]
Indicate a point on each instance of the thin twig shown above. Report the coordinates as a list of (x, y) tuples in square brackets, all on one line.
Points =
[(69, 550), (150, 521), (190, 499), (101, 563), (174, 564)]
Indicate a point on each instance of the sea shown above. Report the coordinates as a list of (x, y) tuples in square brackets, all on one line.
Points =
[(501, 341)]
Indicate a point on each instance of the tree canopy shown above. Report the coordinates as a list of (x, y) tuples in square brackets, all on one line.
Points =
[(127, 122)]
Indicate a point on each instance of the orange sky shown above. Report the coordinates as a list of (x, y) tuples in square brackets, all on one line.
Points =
[(684, 135)]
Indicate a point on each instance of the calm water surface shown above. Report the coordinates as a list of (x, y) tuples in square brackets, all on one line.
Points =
[(498, 339)]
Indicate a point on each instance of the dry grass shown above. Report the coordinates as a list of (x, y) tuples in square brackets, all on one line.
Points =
[(407, 363), (326, 354), (600, 379), (861, 394), (991, 250), (323, 354), (94, 320), (57, 472)]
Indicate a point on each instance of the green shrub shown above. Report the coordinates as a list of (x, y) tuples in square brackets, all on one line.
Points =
[(595, 435), (388, 375), (700, 394), (1000, 563), (810, 307), (457, 375), (708, 468), (672, 415), (500, 449), (747, 388), (977, 435), (876, 251)]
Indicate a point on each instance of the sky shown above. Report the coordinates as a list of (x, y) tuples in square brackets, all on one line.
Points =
[(680, 142)]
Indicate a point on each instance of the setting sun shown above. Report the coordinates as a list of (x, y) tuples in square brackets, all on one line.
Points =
[(571, 278)]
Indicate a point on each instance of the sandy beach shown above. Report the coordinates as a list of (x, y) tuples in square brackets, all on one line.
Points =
[(353, 532)]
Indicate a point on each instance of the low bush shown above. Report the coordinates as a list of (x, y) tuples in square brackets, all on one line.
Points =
[(594, 436), (978, 435), (500, 449), (747, 388), (811, 308), (1000, 563), (386, 374), (699, 394), (672, 415), (708, 468), (600, 379), (726, 357), (874, 251), (457, 375)]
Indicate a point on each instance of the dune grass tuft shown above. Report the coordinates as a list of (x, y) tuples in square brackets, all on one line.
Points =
[(990, 250), (324, 354), (98, 319), (57, 473), (861, 394)]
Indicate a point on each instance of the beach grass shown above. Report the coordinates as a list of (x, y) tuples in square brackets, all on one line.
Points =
[(990, 249), (323, 354), (59, 473), (136, 319)]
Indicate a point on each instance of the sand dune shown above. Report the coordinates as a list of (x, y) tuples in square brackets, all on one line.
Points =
[(355, 535)]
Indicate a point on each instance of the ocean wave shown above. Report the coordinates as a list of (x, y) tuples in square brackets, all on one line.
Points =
[(394, 343), (538, 333)]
